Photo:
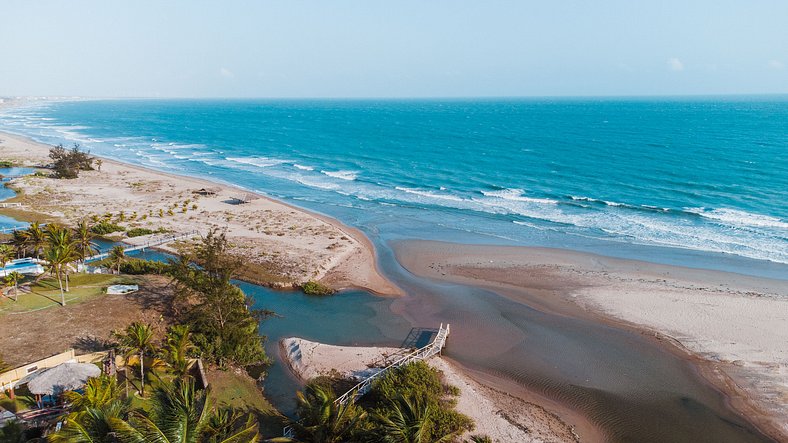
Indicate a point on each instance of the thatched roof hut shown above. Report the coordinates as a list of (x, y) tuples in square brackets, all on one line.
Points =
[(207, 191), (61, 378)]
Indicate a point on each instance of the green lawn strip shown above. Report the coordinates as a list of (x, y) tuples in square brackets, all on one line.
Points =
[(46, 293), (229, 388)]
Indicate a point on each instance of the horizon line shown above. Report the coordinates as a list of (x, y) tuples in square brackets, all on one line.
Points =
[(404, 98)]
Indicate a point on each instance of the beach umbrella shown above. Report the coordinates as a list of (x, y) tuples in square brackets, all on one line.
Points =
[(61, 378)]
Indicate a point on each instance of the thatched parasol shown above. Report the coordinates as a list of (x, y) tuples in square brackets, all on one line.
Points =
[(63, 377)]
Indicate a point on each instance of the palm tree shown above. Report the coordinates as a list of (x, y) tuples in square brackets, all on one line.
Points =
[(60, 238), (180, 413), (137, 340), (98, 392), (20, 241), (6, 255), (57, 261), (84, 240), (177, 348), (177, 412), (94, 424), (116, 257), (13, 279), (408, 421), (36, 238), (322, 420)]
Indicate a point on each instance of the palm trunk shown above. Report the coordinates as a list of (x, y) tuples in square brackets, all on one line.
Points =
[(142, 374), (66, 273), (16, 291), (62, 294)]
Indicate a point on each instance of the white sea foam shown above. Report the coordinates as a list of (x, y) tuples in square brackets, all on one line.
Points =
[(303, 168), (595, 200), (735, 217), (517, 195), (343, 175), (429, 194), (260, 162)]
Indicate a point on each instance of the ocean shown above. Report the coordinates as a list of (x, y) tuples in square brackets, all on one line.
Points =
[(700, 182)]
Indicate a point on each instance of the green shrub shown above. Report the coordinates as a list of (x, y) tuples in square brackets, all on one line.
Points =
[(419, 381), (136, 232), (315, 288), (105, 227), (139, 266), (6, 164)]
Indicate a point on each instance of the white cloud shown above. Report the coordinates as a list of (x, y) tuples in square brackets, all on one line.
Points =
[(226, 73), (776, 64), (675, 64)]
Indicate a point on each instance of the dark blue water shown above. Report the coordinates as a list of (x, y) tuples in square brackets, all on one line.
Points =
[(654, 178)]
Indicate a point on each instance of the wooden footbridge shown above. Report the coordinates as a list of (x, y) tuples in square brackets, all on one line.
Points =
[(434, 347), (423, 353), (158, 241)]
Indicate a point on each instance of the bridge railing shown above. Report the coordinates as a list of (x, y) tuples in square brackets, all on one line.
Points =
[(149, 244), (434, 348), (419, 354)]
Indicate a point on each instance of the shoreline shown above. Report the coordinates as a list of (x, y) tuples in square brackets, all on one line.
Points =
[(313, 245), (727, 326)]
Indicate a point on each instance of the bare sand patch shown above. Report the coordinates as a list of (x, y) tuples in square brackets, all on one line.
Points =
[(291, 245)]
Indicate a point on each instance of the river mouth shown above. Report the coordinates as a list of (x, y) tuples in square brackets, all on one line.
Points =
[(623, 383)]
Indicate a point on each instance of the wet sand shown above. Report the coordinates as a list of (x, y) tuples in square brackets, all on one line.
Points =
[(550, 335)]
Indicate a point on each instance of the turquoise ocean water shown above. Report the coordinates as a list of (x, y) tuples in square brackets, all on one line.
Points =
[(623, 177)]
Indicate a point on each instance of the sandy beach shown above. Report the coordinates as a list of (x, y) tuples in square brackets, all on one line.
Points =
[(735, 326), (502, 417), (289, 245)]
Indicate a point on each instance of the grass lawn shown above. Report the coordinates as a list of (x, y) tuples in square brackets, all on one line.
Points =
[(239, 390), (46, 292)]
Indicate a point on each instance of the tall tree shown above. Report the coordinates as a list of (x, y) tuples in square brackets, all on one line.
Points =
[(57, 259), (178, 345), (84, 237), (7, 255), (35, 238), (13, 279), (19, 241), (224, 325), (137, 341), (116, 257), (59, 239)]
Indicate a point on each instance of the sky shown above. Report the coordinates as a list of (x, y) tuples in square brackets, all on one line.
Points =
[(395, 48)]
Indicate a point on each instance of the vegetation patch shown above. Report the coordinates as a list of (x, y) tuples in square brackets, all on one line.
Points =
[(408, 404), (315, 288), (7, 164), (68, 162), (105, 227)]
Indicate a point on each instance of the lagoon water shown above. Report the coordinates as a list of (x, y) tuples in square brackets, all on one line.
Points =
[(699, 182)]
